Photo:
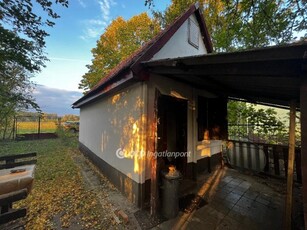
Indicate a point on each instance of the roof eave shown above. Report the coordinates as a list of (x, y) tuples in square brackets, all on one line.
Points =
[(85, 100)]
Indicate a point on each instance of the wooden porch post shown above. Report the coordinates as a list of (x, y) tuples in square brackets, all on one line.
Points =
[(303, 106), (154, 198), (291, 157)]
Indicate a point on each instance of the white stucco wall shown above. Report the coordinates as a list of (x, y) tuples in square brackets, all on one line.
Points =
[(178, 45), (118, 122)]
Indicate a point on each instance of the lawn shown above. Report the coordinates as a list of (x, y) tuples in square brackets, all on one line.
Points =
[(59, 198)]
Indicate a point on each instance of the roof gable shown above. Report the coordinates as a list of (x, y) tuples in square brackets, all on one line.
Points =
[(187, 41), (145, 53)]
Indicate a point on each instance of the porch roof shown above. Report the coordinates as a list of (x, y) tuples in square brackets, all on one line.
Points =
[(270, 75)]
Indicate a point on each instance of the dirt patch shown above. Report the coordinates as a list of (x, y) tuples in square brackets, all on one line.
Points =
[(110, 199)]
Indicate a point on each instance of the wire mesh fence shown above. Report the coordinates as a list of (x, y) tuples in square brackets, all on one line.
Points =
[(35, 126)]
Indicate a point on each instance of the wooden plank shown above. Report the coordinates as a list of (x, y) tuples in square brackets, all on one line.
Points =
[(154, 198), (260, 70), (18, 156), (12, 215), (257, 157), (13, 196), (249, 156), (298, 165), (276, 160), (303, 106), (16, 164), (234, 163), (241, 155), (266, 168), (291, 157), (285, 154)]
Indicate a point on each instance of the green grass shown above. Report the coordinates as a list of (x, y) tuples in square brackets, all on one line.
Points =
[(58, 190)]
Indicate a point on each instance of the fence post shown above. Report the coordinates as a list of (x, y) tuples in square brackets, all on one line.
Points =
[(267, 159), (39, 126), (16, 127), (13, 137)]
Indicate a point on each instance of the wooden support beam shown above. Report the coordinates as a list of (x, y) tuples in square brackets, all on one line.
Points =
[(303, 106), (154, 198), (253, 70), (274, 53), (291, 156)]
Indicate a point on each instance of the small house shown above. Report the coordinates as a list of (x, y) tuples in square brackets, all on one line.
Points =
[(134, 124)]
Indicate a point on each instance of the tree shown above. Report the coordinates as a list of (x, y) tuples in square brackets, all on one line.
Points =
[(22, 43), (15, 95), (120, 39), (70, 117), (241, 24), (22, 35), (255, 124)]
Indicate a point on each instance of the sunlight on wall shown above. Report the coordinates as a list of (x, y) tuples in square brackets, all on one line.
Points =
[(115, 98), (129, 120), (104, 141), (207, 148)]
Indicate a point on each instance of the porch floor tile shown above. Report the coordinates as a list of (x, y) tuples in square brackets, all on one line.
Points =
[(235, 201)]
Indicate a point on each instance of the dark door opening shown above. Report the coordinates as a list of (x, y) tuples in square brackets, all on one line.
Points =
[(172, 132)]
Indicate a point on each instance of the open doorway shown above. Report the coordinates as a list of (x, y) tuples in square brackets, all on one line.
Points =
[(172, 132)]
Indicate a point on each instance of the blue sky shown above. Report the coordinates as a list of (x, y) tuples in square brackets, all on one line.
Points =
[(75, 34), (69, 48)]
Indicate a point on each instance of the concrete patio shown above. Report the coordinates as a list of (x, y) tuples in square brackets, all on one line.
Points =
[(233, 201)]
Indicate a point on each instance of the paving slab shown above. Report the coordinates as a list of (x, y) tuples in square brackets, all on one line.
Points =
[(234, 201)]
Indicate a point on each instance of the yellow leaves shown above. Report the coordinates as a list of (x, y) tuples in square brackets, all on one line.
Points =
[(59, 198), (120, 39)]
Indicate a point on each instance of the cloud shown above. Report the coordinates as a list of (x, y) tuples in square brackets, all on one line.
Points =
[(67, 59), (95, 27), (59, 101), (82, 3)]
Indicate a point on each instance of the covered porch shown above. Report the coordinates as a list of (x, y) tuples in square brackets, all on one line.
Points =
[(274, 76), (228, 199)]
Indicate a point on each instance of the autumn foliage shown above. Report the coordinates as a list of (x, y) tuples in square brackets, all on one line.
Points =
[(120, 39)]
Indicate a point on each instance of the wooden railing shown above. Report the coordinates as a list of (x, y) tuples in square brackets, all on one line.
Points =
[(265, 158)]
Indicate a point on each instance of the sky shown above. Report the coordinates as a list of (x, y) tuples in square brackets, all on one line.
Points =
[(70, 42)]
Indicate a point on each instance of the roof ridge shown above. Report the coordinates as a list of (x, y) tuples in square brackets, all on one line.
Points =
[(133, 61)]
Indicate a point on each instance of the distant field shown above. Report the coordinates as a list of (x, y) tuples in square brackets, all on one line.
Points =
[(32, 127)]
